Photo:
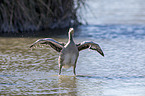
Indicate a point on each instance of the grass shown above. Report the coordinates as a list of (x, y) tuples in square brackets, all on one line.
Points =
[(33, 15)]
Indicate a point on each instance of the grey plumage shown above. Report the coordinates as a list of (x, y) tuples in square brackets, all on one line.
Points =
[(69, 52)]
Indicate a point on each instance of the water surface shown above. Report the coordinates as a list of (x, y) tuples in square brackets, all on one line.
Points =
[(114, 12), (120, 72)]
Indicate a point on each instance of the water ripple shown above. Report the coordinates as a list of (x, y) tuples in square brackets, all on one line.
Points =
[(112, 31), (98, 77)]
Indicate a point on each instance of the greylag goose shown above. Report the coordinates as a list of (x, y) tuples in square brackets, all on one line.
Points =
[(69, 52)]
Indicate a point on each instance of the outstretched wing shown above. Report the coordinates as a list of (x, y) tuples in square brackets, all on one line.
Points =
[(90, 45), (48, 41)]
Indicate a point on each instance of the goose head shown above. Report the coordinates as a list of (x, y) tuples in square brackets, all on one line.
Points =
[(70, 34), (71, 31)]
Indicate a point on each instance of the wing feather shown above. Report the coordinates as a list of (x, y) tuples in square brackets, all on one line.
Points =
[(91, 45), (48, 41)]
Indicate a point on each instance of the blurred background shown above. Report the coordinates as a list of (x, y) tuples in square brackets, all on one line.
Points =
[(118, 26), (115, 12)]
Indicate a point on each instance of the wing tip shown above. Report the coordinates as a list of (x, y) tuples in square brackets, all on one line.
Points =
[(31, 46), (103, 54)]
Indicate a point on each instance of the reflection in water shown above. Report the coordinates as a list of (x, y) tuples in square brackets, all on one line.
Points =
[(67, 85)]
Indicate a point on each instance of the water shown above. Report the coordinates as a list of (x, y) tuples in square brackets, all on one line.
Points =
[(120, 73), (115, 12)]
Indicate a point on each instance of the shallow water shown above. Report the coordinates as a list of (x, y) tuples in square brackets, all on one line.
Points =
[(35, 72), (120, 73)]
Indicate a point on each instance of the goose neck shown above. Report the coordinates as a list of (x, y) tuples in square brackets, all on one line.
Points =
[(70, 37)]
